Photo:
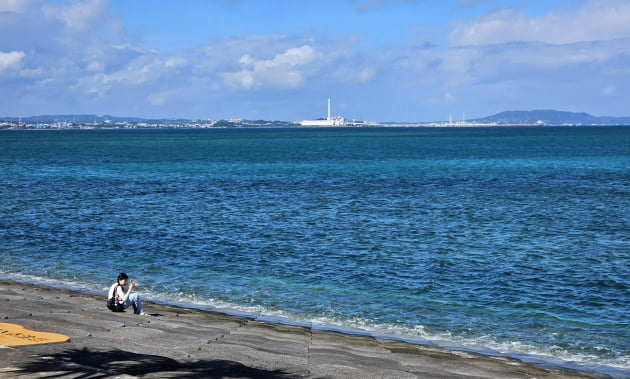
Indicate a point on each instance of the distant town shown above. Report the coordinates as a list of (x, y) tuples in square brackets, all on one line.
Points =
[(121, 123), (509, 118), (234, 123)]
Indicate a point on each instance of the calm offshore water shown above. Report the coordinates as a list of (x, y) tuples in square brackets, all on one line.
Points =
[(509, 240)]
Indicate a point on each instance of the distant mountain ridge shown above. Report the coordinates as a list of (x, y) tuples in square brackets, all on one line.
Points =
[(553, 117)]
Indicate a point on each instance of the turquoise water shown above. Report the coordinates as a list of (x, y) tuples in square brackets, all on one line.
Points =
[(502, 240)]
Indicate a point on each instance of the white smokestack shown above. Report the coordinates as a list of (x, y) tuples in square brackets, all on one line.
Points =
[(328, 118)]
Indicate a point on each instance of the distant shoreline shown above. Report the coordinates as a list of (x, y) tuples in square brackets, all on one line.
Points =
[(537, 117), (6, 126)]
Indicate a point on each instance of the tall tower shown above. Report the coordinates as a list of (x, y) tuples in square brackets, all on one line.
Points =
[(328, 118)]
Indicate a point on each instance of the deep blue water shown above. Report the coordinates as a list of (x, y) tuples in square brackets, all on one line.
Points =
[(504, 240)]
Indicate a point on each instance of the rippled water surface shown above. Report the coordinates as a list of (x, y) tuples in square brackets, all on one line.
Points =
[(509, 239)]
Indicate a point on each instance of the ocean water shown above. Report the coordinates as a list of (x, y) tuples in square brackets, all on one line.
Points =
[(511, 241)]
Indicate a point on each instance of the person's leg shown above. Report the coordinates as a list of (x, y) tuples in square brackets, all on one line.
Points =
[(134, 300)]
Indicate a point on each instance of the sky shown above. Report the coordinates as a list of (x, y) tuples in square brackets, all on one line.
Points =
[(377, 60)]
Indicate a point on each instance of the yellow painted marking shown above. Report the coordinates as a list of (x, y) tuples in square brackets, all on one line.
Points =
[(16, 335)]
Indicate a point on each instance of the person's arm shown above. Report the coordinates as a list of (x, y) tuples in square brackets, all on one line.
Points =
[(112, 292), (121, 293)]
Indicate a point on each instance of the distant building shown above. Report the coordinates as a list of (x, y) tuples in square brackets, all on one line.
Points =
[(329, 121)]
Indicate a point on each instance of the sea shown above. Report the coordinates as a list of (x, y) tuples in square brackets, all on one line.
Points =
[(509, 241)]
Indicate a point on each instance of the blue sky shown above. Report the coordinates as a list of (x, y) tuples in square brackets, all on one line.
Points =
[(378, 60)]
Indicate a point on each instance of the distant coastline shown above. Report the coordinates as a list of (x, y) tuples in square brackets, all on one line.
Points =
[(504, 119)]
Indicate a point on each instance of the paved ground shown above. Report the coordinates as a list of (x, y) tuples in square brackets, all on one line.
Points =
[(185, 343)]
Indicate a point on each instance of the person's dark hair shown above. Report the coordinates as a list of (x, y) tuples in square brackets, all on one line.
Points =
[(122, 276)]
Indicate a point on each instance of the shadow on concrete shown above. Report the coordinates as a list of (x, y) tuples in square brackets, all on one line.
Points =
[(102, 364)]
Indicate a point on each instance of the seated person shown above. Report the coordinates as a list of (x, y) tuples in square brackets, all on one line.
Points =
[(118, 299)]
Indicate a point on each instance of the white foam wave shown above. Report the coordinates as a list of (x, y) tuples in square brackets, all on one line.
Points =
[(545, 355)]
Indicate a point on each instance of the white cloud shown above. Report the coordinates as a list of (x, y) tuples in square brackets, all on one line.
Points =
[(175, 62), (610, 90), (10, 60), (148, 70), (294, 57), (460, 60), (157, 99), (31, 73), (525, 60), (508, 46), (95, 66), (284, 70), (77, 15), (365, 75), (100, 83), (596, 20), (135, 73), (14, 5), (351, 75)]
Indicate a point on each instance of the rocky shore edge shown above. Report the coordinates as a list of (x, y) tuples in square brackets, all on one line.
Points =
[(179, 342)]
